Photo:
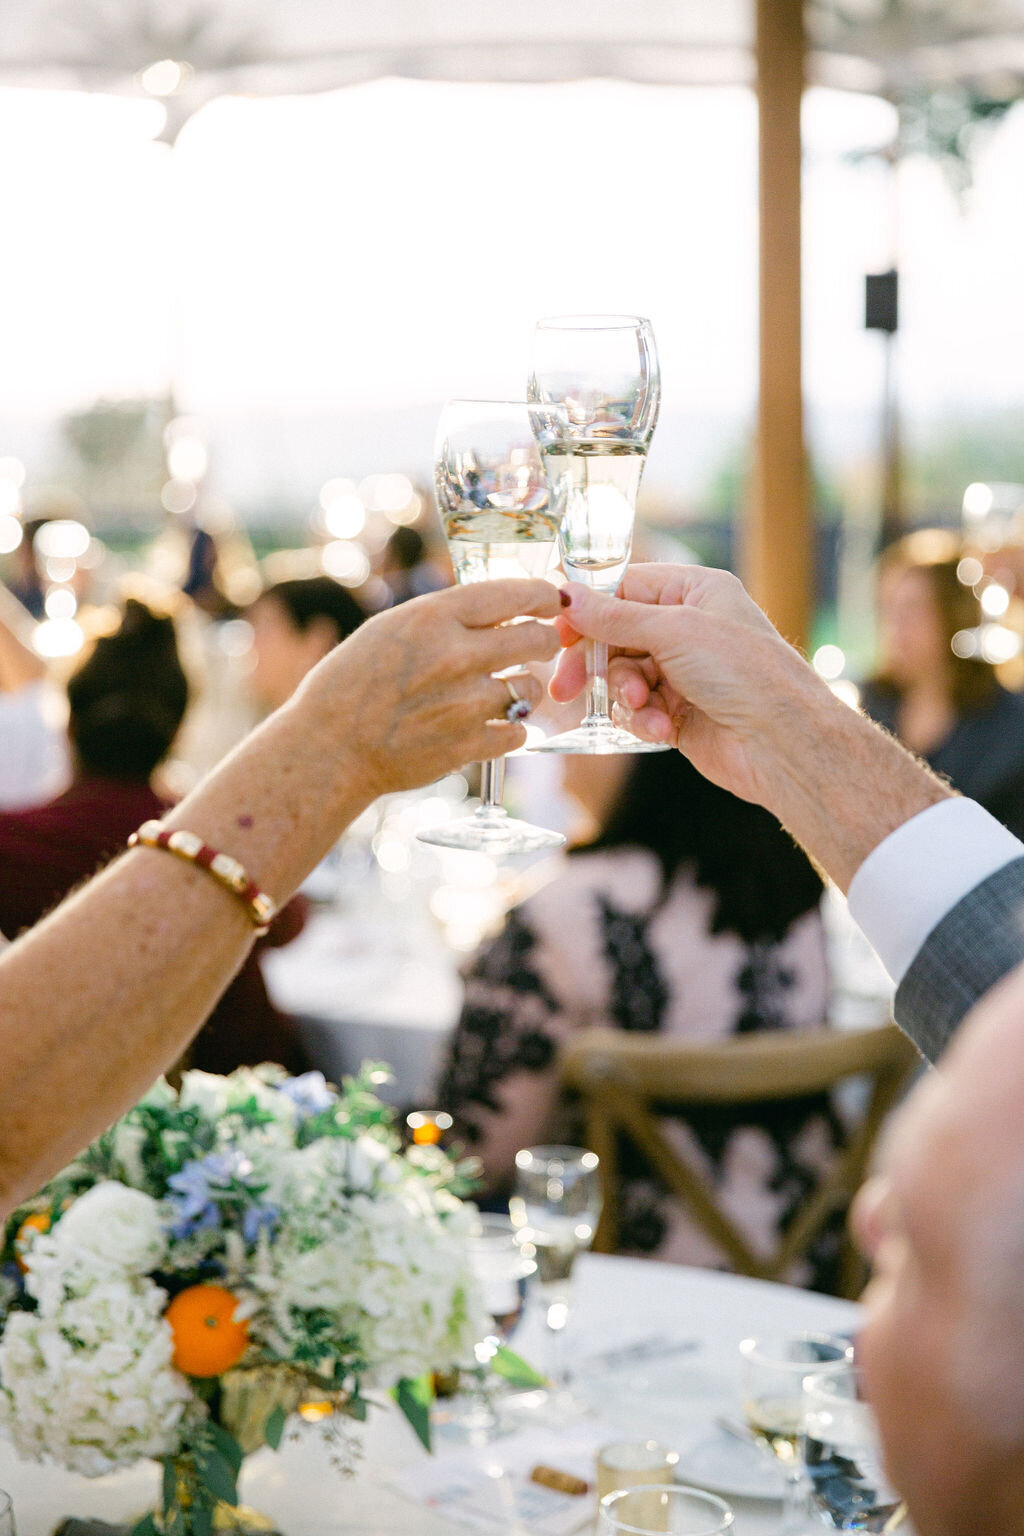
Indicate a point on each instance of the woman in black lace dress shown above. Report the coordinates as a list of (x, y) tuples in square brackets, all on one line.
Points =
[(691, 913)]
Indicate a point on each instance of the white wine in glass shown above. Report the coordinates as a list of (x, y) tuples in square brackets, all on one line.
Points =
[(594, 394), (500, 517)]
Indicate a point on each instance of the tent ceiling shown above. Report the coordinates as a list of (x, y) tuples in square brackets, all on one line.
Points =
[(274, 46)]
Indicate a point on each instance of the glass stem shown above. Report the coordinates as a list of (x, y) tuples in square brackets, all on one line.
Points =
[(794, 1504), (597, 680), (492, 783)]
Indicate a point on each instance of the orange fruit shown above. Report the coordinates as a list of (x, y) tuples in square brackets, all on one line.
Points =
[(39, 1221), (207, 1337)]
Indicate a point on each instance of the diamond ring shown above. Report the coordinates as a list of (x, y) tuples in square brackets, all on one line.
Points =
[(518, 708)]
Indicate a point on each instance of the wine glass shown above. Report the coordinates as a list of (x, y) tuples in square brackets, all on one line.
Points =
[(500, 518), (843, 1456), (594, 394), (556, 1205), (679, 1510), (501, 1270), (773, 1374)]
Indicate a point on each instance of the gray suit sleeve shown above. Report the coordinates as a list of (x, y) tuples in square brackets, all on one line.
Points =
[(973, 947)]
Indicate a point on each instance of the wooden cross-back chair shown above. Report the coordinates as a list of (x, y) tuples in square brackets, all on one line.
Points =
[(626, 1081)]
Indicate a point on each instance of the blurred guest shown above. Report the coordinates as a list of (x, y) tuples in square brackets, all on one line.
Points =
[(26, 582), (407, 567), (295, 624), (33, 755), (950, 709), (126, 702), (690, 913)]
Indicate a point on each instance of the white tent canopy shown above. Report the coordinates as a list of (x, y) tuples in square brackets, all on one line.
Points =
[(275, 46)]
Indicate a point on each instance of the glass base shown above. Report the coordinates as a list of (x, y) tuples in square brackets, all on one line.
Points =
[(492, 830), (597, 737)]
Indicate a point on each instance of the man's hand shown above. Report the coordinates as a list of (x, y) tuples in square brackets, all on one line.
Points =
[(411, 696), (695, 662), (698, 664)]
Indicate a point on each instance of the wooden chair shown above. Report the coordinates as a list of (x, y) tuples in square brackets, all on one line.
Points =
[(624, 1080)]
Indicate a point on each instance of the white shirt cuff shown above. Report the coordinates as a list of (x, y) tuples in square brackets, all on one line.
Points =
[(906, 885)]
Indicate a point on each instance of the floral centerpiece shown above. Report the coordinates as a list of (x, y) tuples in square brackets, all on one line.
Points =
[(224, 1255)]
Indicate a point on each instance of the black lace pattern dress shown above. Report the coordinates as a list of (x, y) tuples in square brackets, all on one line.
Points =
[(602, 944)]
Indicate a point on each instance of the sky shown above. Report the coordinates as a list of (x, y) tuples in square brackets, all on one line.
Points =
[(390, 245)]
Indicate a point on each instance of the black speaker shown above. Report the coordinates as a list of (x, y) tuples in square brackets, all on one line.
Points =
[(882, 301)]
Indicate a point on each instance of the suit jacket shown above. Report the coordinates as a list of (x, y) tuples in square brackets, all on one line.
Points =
[(974, 946)]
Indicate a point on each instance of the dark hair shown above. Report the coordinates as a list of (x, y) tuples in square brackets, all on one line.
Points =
[(406, 548), (761, 880), (306, 599), (936, 553), (128, 698)]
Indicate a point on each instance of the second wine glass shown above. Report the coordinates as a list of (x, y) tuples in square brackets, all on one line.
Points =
[(594, 393), (500, 518)]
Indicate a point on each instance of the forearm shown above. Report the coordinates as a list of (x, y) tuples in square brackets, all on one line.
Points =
[(134, 964), (835, 780)]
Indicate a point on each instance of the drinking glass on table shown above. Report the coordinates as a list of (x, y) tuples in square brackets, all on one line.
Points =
[(843, 1456), (7, 1526), (772, 1386), (678, 1510), (556, 1205), (594, 393), (501, 1270), (500, 517)]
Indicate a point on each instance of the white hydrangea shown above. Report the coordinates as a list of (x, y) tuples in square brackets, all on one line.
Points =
[(88, 1382), (392, 1269), (109, 1228)]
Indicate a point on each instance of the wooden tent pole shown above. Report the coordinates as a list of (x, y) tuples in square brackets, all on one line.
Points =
[(778, 546)]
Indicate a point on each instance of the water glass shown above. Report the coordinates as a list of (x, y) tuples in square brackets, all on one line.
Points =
[(556, 1205), (843, 1456), (678, 1510)]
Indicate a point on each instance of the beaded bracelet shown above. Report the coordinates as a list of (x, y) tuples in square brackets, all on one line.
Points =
[(224, 869)]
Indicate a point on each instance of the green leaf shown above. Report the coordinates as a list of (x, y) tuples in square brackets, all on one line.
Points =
[(514, 1369), (144, 1527), (357, 1408), (217, 1475), (227, 1446), (199, 1521), (170, 1485), (414, 1397), (273, 1429)]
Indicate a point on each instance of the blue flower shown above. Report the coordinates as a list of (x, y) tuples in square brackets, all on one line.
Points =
[(256, 1218), (309, 1093)]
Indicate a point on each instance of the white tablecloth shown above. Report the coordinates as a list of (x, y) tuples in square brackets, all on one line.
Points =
[(617, 1301)]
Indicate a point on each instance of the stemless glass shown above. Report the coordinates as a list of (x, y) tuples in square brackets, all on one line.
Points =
[(500, 517), (556, 1205), (594, 394), (772, 1386), (679, 1510), (843, 1456)]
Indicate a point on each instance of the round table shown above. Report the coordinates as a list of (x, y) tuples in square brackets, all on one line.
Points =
[(700, 1315)]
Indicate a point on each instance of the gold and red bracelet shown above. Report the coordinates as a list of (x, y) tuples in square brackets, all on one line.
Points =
[(225, 870)]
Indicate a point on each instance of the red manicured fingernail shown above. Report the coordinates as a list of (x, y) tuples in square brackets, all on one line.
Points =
[(565, 598)]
